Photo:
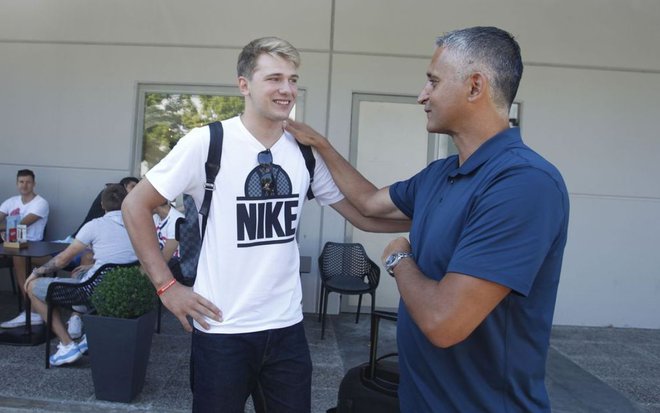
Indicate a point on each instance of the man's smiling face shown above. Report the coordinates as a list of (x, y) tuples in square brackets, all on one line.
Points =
[(273, 87)]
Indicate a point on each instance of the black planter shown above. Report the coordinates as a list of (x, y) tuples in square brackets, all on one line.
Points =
[(119, 351)]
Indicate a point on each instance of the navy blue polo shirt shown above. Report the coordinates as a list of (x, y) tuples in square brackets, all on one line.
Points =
[(502, 216)]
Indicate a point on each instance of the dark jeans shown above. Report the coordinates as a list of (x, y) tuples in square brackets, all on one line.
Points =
[(273, 365)]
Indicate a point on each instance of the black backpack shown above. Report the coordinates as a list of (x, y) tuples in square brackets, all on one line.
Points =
[(187, 229)]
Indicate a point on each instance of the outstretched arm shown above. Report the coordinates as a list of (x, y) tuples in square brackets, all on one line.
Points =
[(180, 300), (367, 199), (370, 224), (57, 262)]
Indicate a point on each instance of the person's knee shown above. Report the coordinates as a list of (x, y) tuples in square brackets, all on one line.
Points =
[(29, 288), (33, 291)]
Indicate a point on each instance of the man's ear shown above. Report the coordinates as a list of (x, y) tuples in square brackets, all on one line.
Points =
[(477, 86), (244, 85)]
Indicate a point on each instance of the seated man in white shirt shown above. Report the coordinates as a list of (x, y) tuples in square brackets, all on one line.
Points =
[(108, 239), (33, 211)]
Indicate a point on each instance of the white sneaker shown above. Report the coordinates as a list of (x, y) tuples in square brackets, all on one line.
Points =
[(74, 327), (17, 321), (65, 354)]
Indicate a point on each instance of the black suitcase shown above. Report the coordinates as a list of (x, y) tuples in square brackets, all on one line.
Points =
[(372, 386)]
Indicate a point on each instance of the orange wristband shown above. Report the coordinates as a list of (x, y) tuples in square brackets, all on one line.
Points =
[(164, 288)]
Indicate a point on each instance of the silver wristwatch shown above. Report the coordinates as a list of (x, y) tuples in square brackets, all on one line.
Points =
[(394, 259)]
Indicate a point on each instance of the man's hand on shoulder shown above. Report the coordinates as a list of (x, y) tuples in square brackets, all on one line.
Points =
[(182, 301)]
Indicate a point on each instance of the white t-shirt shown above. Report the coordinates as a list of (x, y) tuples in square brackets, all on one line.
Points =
[(38, 206), (108, 239), (249, 262), (166, 228)]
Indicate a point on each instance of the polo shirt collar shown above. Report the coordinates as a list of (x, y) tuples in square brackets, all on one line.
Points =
[(487, 150)]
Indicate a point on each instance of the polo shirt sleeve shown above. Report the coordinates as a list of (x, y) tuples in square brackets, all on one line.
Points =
[(511, 227), (86, 233), (403, 193)]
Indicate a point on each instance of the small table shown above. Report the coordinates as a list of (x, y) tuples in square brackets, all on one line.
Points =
[(24, 335)]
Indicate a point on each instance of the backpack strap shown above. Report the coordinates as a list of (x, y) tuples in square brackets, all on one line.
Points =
[(212, 167), (310, 163)]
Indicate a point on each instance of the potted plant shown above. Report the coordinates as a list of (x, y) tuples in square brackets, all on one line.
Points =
[(119, 333)]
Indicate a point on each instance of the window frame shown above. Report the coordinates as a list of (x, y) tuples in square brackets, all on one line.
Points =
[(187, 89)]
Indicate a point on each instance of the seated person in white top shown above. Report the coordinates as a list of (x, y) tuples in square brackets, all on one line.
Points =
[(86, 258), (109, 241), (33, 210), (165, 218)]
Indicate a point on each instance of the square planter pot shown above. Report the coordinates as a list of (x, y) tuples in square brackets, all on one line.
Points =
[(119, 351)]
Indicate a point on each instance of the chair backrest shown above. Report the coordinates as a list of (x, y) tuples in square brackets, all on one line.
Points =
[(67, 294), (347, 259)]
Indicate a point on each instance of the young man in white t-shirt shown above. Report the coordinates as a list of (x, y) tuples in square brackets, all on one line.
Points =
[(109, 242), (246, 302), (33, 211)]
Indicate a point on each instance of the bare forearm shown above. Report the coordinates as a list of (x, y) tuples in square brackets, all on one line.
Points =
[(137, 216), (418, 293), (51, 266), (427, 302), (357, 189), (383, 225), (449, 310), (30, 219), (370, 224), (62, 259), (368, 199), (179, 299)]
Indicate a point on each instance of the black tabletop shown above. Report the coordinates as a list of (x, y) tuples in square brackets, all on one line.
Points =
[(35, 249)]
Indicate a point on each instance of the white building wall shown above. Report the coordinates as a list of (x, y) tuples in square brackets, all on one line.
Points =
[(69, 71)]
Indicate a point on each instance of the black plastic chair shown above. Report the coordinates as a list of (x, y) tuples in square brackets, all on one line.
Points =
[(345, 268), (8, 262), (68, 295)]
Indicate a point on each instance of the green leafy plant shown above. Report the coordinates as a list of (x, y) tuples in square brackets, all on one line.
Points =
[(124, 292)]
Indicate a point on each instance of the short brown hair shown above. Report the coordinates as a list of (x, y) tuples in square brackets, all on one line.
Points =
[(25, 172), (112, 197), (274, 46)]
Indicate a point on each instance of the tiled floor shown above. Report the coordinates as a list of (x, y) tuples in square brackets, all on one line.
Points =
[(626, 359), (589, 369)]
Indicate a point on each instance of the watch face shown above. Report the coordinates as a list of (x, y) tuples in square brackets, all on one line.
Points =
[(390, 260)]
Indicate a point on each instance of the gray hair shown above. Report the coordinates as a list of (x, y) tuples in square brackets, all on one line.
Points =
[(274, 46), (491, 51)]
